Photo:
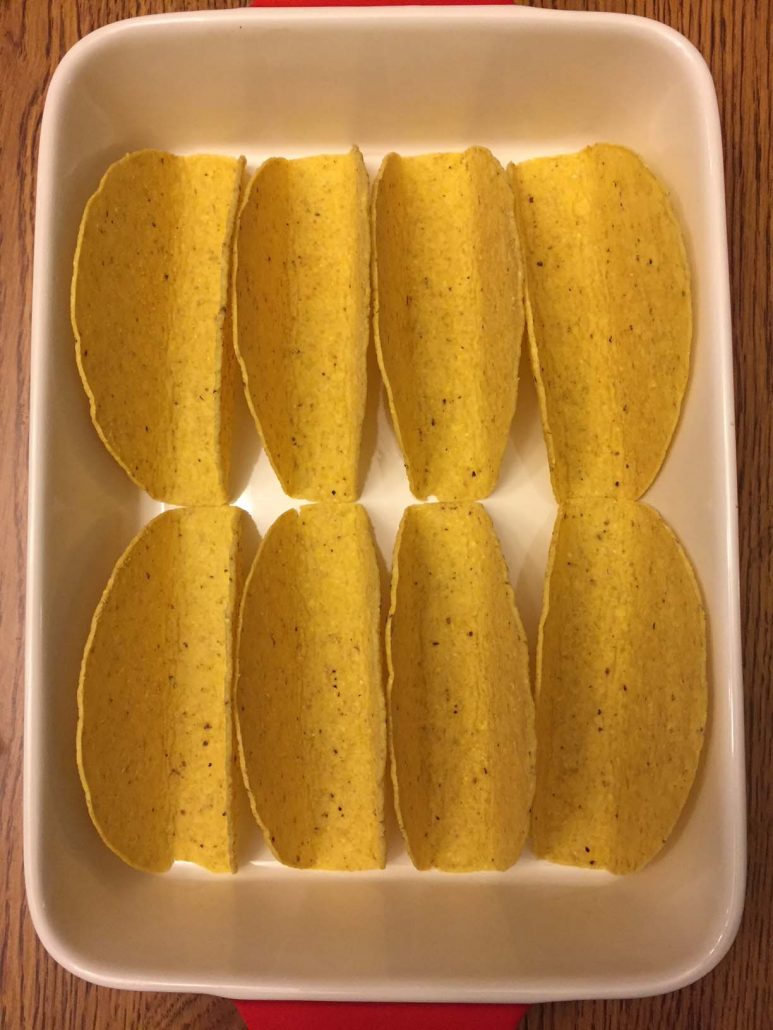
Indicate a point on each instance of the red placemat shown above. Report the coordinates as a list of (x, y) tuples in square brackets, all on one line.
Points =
[(381, 3), (310, 1015), (321, 1015)]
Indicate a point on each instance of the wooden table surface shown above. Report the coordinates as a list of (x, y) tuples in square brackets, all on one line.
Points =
[(736, 38)]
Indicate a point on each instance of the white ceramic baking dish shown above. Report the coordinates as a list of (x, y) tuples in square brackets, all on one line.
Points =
[(522, 82)]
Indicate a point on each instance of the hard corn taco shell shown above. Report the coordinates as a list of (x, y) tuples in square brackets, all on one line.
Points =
[(149, 310), (461, 710), (609, 316), (448, 316), (621, 687), (302, 308), (310, 704), (155, 746)]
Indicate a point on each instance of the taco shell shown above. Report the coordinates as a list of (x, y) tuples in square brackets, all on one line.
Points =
[(448, 316), (621, 687), (302, 311), (609, 315), (460, 704), (155, 745), (149, 308), (310, 702)]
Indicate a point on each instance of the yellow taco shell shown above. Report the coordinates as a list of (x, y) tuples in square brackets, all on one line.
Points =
[(149, 308), (460, 704), (448, 316), (302, 308), (155, 744), (621, 687), (310, 703), (609, 315)]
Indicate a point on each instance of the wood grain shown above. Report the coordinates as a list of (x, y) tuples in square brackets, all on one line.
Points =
[(736, 38)]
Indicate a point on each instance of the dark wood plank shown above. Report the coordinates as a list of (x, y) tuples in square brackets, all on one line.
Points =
[(736, 39)]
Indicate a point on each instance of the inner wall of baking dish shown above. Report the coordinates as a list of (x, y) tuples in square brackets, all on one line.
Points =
[(270, 85)]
